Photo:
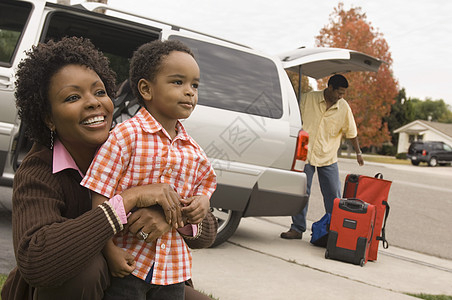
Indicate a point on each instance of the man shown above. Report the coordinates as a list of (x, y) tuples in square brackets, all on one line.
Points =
[(326, 117)]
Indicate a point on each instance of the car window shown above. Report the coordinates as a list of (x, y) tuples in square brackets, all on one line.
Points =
[(416, 146), (236, 80), (447, 147), (13, 17), (116, 40), (437, 146)]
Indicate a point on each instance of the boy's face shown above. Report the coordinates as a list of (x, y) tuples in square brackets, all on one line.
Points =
[(173, 94), (81, 110)]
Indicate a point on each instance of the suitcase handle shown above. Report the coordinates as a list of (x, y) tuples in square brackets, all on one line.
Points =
[(353, 204), (354, 178)]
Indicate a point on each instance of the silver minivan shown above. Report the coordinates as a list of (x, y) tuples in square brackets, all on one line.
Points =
[(247, 119)]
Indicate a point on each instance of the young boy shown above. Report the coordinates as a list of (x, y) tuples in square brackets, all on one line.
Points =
[(153, 147)]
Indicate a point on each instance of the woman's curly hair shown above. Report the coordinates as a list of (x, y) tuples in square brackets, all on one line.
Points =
[(147, 59), (36, 70)]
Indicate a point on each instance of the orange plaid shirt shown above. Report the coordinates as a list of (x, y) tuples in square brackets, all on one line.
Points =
[(139, 151)]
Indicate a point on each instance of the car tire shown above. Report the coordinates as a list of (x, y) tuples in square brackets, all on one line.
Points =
[(228, 221), (415, 162), (433, 162)]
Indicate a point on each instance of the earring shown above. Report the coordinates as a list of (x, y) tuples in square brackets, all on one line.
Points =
[(51, 139)]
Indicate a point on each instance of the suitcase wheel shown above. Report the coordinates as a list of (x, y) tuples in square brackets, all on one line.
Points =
[(361, 262), (327, 254)]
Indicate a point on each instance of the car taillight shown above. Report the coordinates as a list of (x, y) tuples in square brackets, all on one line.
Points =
[(424, 152), (301, 152)]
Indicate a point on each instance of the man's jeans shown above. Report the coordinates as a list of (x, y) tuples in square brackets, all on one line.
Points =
[(330, 186)]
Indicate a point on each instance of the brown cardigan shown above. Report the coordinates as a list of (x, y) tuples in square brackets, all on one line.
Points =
[(55, 231)]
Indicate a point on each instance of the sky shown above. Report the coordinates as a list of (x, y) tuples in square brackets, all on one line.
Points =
[(418, 32)]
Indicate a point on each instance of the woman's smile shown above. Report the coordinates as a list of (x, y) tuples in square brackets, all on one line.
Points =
[(93, 121)]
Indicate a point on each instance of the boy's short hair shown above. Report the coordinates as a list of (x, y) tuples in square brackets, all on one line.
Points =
[(36, 70), (147, 59), (338, 81)]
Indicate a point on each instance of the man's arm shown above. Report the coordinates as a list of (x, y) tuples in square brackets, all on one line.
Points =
[(359, 156)]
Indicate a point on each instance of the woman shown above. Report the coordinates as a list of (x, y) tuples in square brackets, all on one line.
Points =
[(63, 98)]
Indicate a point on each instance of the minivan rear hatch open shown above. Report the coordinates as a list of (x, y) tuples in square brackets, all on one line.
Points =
[(321, 62)]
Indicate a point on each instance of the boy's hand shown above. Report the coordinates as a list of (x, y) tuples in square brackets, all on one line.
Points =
[(120, 262), (195, 208), (150, 220)]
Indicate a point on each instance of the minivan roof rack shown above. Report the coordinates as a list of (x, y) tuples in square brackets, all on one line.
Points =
[(92, 6)]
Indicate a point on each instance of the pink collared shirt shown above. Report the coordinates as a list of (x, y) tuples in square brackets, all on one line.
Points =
[(62, 160)]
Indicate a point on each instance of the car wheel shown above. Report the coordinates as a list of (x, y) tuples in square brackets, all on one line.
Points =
[(433, 162), (415, 162), (228, 221)]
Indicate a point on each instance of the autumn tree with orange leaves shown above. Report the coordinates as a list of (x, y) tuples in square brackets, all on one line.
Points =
[(294, 79), (370, 95)]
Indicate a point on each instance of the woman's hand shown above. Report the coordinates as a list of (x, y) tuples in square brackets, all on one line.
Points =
[(196, 208), (149, 220), (157, 193)]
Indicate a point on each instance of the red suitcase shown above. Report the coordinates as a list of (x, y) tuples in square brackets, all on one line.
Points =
[(373, 190), (351, 229)]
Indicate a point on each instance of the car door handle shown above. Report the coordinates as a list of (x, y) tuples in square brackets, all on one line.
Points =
[(6, 84)]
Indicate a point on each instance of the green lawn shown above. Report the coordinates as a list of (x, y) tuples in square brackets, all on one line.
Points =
[(381, 159), (2, 281)]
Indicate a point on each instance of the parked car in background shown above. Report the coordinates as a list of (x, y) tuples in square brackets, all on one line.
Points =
[(247, 119), (430, 152)]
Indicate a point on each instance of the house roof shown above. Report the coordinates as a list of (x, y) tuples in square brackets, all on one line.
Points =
[(444, 128)]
